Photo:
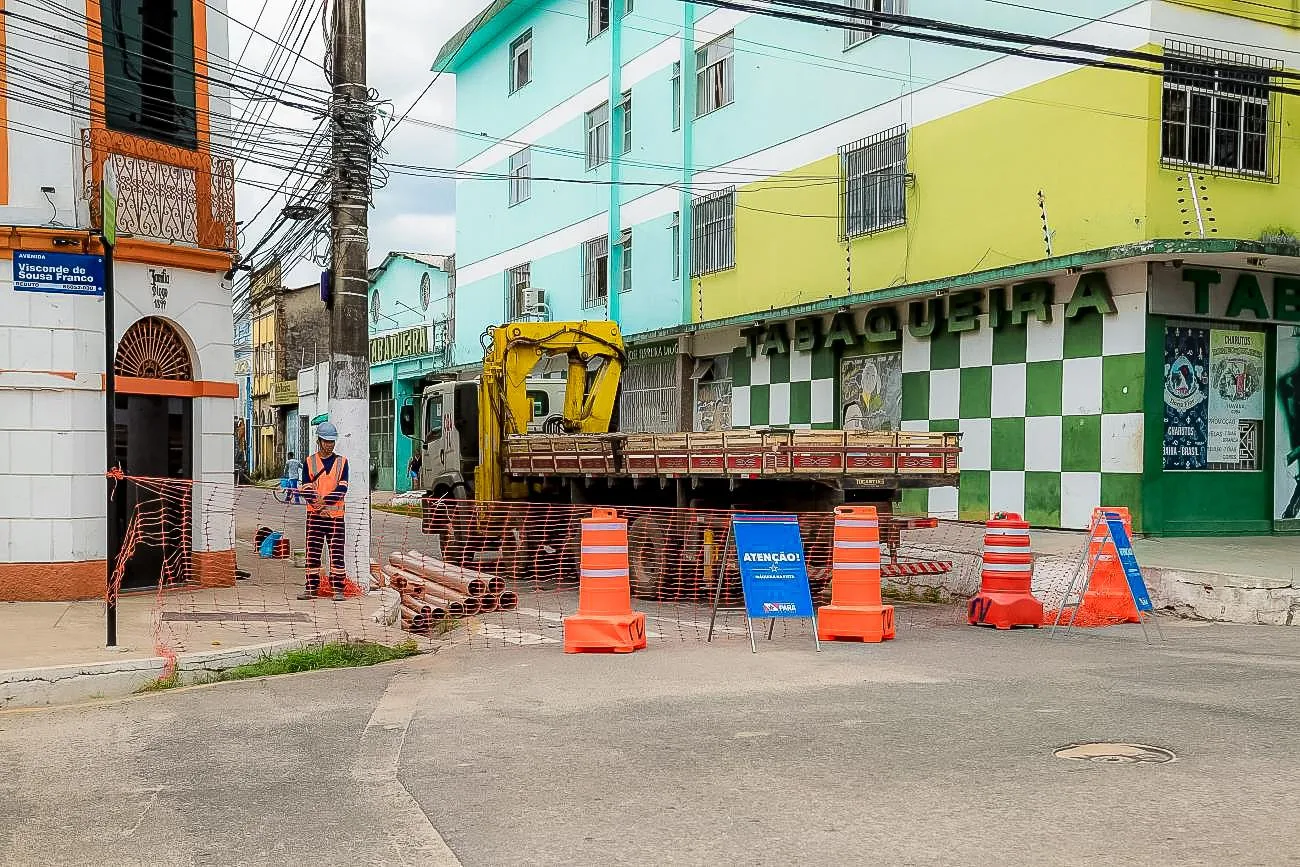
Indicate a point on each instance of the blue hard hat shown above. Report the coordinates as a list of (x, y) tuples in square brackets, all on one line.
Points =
[(327, 432)]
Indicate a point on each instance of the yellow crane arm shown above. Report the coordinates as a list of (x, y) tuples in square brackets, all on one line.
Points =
[(512, 353)]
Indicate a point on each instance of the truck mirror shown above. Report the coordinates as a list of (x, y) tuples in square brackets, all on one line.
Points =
[(407, 420)]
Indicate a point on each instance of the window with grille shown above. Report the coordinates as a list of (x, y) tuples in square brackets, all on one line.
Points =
[(381, 429), (675, 230), (677, 95), (625, 243), (713, 76), (1217, 112), (627, 121), (597, 17), (874, 27), (595, 272), (521, 176), (518, 279), (873, 175), (521, 61), (598, 136), (713, 223)]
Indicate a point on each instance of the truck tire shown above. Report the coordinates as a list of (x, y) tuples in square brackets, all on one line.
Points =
[(648, 557)]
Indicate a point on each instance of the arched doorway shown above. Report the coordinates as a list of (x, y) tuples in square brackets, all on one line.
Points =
[(154, 438)]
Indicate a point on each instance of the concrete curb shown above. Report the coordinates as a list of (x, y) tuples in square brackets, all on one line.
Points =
[(1224, 598), (68, 684)]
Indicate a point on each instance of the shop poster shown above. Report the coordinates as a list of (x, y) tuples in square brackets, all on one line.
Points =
[(1187, 363), (1286, 441), (1236, 396), (872, 388)]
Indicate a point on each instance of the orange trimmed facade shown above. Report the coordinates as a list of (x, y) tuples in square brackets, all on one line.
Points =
[(175, 386)]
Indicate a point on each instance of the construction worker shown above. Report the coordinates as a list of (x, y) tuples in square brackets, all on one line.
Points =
[(325, 475)]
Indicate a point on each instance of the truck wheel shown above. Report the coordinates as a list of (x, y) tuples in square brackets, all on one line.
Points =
[(647, 556)]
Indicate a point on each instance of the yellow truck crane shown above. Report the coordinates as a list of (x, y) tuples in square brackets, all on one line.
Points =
[(513, 436)]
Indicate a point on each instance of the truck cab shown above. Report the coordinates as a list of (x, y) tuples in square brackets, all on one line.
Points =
[(445, 430)]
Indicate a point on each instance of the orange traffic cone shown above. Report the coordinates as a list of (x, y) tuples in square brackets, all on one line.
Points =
[(856, 612), (605, 620), (1005, 599), (1108, 599)]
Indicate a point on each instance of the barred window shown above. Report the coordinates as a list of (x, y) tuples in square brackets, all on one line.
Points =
[(713, 76), (598, 136), (521, 176), (518, 279), (874, 28), (713, 232), (677, 95), (595, 271), (521, 61), (627, 121), (597, 17), (675, 231), (1217, 112), (873, 174), (625, 242)]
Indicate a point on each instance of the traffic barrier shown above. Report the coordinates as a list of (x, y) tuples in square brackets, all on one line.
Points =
[(605, 620), (1005, 599), (856, 612), (1108, 600)]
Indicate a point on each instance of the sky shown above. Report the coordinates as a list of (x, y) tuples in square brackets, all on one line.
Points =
[(409, 214)]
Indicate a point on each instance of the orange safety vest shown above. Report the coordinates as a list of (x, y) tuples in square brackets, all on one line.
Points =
[(325, 484)]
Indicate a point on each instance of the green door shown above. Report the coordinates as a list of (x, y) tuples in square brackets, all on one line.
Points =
[(1208, 462)]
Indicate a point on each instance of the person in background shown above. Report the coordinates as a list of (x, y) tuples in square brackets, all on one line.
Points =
[(413, 469), (292, 468), (325, 475)]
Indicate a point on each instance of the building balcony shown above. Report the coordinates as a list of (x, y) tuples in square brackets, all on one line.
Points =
[(165, 193)]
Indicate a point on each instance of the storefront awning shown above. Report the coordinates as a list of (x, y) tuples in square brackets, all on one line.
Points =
[(323, 417)]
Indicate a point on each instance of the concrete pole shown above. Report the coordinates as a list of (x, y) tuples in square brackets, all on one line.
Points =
[(349, 382)]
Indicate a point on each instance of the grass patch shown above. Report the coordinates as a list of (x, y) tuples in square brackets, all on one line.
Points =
[(927, 595), (338, 655), (408, 510), (159, 684)]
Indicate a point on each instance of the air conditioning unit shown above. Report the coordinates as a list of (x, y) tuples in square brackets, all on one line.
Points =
[(534, 301)]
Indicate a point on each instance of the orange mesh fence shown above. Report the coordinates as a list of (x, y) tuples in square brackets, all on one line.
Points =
[(203, 565)]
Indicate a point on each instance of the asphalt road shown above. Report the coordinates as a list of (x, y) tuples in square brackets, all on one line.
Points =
[(936, 748)]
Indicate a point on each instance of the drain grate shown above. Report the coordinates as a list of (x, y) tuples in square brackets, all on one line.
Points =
[(237, 616), (1116, 754)]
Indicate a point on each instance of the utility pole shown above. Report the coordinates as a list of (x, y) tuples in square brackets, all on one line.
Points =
[(349, 381)]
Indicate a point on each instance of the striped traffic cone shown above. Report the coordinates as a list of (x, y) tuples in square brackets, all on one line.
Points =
[(605, 620), (856, 611), (1005, 599)]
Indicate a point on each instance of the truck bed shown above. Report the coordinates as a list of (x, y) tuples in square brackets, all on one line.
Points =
[(886, 459)]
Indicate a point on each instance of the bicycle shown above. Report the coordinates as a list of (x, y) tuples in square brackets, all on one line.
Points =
[(289, 493)]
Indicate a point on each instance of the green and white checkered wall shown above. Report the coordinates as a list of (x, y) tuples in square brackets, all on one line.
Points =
[(1051, 413), (794, 390)]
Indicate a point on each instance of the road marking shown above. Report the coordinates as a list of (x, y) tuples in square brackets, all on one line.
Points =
[(413, 837)]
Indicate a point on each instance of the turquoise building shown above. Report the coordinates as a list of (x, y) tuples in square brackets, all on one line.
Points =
[(412, 333)]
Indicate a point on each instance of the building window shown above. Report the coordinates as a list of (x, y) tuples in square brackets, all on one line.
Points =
[(677, 95), (595, 271), (521, 61), (597, 17), (713, 224), (518, 280), (598, 136), (874, 27), (627, 7), (627, 121), (521, 176), (873, 174), (675, 230), (713, 85), (1216, 112), (149, 69), (625, 244)]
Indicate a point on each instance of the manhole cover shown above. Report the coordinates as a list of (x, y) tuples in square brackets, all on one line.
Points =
[(1116, 754)]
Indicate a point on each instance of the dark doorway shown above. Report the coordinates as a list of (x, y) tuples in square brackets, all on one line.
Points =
[(154, 439)]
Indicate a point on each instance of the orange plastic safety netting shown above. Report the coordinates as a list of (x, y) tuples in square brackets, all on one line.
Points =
[(208, 566)]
